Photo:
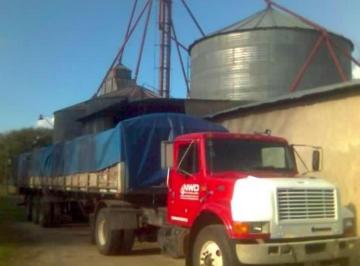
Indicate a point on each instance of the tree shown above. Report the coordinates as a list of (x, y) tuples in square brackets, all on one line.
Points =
[(15, 142)]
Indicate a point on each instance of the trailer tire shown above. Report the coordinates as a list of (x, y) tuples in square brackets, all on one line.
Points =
[(29, 208), (45, 217), (213, 247), (110, 241), (36, 205), (92, 228), (77, 214)]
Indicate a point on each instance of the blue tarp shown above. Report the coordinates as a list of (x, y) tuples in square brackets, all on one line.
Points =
[(23, 165), (39, 162), (135, 141), (108, 148), (142, 138)]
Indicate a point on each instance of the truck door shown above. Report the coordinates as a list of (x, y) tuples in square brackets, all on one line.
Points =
[(184, 183)]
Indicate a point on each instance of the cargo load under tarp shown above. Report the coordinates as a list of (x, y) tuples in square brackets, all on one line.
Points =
[(135, 142)]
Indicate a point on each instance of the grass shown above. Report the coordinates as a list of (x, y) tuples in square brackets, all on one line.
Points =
[(9, 211), (9, 214), (6, 253), (2, 190)]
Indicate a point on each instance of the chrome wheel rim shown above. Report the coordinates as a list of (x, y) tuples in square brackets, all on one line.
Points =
[(210, 254)]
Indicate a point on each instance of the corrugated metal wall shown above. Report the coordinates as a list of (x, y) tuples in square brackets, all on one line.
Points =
[(261, 63)]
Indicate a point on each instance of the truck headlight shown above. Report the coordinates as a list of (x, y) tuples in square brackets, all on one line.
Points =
[(349, 221), (349, 226), (248, 228)]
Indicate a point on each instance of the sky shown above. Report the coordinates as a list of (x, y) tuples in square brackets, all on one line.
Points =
[(54, 53)]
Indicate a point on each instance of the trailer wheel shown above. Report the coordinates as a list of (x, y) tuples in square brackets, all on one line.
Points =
[(45, 217), (77, 212), (212, 248), (110, 241), (92, 228), (36, 202), (29, 208)]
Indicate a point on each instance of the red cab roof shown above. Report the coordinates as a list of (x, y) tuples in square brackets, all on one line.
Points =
[(226, 135)]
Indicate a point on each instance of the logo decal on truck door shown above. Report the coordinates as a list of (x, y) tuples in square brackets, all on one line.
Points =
[(189, 191)]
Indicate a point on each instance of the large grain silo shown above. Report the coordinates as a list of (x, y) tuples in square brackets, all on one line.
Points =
[(261, 56)]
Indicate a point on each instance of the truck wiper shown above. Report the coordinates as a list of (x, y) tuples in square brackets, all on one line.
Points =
[(272, 168)]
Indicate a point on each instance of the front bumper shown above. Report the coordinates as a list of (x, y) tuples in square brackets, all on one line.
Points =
[(297, 252)]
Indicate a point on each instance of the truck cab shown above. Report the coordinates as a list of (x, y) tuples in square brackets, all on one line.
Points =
[(243, 200)]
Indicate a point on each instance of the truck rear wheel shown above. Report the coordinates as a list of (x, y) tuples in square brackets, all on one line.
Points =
[(212, 248), (110, 241)]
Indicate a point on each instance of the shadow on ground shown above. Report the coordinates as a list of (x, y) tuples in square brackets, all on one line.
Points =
[(16, 232)]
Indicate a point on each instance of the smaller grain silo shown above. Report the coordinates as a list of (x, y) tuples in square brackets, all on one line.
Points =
[(261, 56)]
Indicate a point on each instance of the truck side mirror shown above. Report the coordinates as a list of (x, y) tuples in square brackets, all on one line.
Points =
[(167, 154), (316, 160)]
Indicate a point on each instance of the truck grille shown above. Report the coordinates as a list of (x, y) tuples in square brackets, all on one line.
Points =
[(299, 204)]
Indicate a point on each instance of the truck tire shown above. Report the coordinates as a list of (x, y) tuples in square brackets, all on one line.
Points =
[(212, 247), (110, 241)]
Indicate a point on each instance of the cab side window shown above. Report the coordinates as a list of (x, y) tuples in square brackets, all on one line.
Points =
[(188, 158)]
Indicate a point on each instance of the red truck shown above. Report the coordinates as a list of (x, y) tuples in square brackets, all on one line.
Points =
[(227, 199), (240, 200)]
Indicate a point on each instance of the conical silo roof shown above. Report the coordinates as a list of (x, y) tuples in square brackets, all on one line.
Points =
[(267, 18), (261, 56)]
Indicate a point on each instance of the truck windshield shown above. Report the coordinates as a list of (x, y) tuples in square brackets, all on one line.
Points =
[(247, 155)]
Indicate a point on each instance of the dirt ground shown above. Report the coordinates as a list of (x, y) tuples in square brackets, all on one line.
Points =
[(31, 245), (70, 245)]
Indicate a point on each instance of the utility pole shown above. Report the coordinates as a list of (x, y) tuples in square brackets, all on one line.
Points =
[(165, 22)]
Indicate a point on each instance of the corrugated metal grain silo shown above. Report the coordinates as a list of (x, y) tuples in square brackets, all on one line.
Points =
[(260, 56)]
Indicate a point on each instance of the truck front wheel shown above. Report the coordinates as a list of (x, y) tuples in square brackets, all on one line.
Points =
[(110, 241), (212, 247)]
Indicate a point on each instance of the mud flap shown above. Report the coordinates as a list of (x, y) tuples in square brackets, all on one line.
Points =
[(173, 241), (122, 219)]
